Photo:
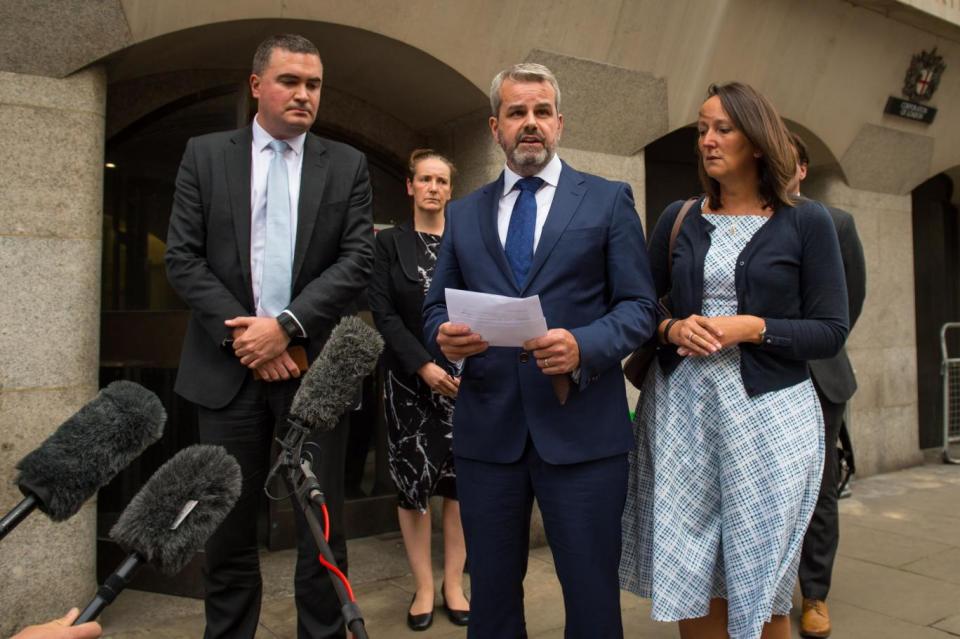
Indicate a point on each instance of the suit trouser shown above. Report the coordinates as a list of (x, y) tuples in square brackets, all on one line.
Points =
[(232, 576), (581, 504), (823, 534)]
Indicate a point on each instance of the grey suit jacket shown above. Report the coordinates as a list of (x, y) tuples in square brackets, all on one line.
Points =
[(208, 251), (834, 377)]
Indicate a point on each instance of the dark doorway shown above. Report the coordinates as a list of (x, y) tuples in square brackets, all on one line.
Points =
[(936, 264), (671, 167)]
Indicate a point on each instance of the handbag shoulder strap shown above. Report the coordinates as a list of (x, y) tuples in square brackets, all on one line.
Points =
[(675, 231)]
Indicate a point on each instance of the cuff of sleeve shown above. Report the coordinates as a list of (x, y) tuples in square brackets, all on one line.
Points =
[(773, 336), (412, 369)]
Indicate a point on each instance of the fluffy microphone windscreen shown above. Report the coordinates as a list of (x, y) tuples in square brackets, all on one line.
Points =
[(91, 447), (330, 386), (178, 508)]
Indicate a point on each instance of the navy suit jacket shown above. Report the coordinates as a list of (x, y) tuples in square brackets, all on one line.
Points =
[(591, 272)]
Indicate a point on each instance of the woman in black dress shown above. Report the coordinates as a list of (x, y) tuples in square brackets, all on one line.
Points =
[(419, 394)]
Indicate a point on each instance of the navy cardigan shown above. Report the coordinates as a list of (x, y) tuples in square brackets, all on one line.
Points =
[(790, 273)]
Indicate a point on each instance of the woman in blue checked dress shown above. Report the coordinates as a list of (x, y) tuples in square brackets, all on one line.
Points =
[(729, 430)]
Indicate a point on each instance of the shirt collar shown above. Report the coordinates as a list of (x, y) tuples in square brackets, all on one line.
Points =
[(261, 139), (549, 174)]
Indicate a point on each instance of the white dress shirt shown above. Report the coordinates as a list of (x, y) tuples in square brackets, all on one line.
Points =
[(261, 157), (550, 174)]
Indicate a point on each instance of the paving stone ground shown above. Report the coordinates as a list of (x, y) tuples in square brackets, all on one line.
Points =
[(897, 576)]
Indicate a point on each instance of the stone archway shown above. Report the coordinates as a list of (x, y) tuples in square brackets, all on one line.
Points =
[(186, 83)]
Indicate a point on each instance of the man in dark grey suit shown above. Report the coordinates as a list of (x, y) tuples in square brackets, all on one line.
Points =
[(835, 383), (270, 239)]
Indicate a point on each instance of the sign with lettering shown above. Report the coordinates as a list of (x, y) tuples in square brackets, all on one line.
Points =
[(910, 110), (919, 85)]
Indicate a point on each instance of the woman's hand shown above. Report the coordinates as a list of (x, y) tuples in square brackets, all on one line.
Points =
[(710, 334), (695, 336), (439, 380)]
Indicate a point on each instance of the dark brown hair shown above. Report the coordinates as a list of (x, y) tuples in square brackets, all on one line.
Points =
[(418, 155), (288, 42), (758, 120), (803, 157)]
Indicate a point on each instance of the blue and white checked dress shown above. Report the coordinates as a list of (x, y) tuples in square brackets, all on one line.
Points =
[(722, 485)]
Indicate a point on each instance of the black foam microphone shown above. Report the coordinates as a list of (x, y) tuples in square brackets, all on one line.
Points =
[(171, 517), (86, 452), (329, 387)]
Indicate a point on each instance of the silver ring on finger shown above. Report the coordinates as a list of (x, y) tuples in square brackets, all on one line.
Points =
[(546, 363)]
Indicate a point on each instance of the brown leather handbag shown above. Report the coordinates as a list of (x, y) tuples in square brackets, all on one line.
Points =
[(638, 363)]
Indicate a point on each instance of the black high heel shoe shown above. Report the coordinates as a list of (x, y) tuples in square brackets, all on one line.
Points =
[(418, 623), (456, 617)]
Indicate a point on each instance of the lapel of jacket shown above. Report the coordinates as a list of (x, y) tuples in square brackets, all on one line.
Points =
[(570, 190), (313, 178), (237, 165), (489, 208), (405, 242)]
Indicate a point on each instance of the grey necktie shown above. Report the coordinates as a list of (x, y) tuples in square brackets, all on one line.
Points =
[(277, 260)]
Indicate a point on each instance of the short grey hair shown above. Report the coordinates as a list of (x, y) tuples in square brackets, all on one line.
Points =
[(523, 72)]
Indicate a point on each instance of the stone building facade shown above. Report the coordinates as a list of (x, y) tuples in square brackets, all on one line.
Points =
[(83, 79)]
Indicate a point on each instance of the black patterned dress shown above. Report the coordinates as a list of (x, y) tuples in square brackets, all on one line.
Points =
[(420, 421)]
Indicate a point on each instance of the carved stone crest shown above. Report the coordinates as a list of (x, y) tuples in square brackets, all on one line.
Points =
[(923, 75)]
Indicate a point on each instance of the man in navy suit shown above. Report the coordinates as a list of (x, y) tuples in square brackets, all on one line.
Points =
[(575, 240)]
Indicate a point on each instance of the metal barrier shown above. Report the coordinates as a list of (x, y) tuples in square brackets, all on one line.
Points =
[(950, 373)]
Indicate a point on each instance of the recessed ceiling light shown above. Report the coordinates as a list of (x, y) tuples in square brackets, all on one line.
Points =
[(110, 165)]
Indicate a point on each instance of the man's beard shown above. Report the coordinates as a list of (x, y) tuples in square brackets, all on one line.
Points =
[(531, 162)]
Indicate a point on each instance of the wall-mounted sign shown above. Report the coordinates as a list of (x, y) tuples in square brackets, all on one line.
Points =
[(910, 110), (919, 85), (923, 76)]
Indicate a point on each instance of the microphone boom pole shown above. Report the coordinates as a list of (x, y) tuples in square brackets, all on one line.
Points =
[(86, 452), (10, 521), (171, 517), (327, 390), (304, 488)]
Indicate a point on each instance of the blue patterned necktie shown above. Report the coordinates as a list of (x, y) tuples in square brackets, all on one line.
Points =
[(277, 261), (520, 232)]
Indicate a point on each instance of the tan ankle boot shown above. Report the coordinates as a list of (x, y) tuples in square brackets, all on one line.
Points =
[(815, 620)]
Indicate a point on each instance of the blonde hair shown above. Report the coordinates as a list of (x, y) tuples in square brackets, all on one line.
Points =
[(419, 155)]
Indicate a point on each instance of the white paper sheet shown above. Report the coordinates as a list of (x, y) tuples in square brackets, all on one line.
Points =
[(500, 320)]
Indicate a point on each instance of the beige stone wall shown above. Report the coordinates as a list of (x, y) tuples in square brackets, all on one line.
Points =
[(947, 10), (50, 227), (882, 346), (827, 64)]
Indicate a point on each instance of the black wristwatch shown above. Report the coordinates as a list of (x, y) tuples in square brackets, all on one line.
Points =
[(288, 324)]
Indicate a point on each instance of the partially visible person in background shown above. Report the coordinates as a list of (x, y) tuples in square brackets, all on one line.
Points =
[(61, 629), (835, 383), (729, 432), (419, 394)]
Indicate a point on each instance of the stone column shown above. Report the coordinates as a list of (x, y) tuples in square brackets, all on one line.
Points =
[(469, 144), (882, 347), (50, 254)]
